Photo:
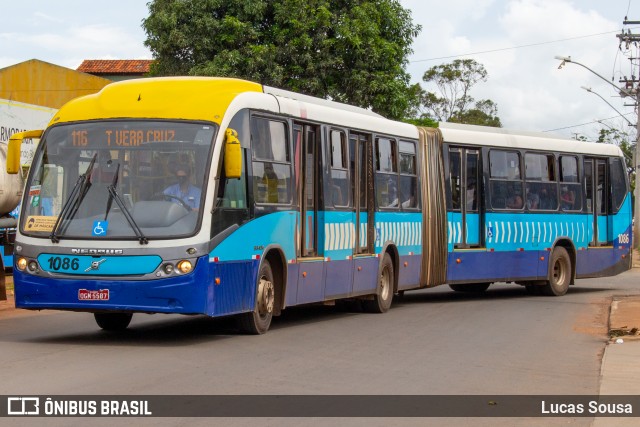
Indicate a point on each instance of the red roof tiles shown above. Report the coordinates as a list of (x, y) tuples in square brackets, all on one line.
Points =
[(115, 66)]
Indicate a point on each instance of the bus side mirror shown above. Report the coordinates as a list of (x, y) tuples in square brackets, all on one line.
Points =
[(232, 154), (13, 150)]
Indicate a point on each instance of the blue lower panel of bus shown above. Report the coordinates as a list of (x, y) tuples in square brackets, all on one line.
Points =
[(236, 291), (607, 261), (483, 265), (180, 294), (474, 266), (194, 293)]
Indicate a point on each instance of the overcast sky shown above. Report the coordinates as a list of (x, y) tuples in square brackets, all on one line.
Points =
[(523, 35)]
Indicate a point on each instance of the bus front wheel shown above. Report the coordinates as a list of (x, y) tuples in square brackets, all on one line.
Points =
[(381, 302), (559, 273), (258, 321), (113, 321)]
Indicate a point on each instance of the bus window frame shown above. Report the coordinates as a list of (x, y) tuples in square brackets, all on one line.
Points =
[(377, 172), (580, 183), (519, 153), (555, 181), (266, 207), (328, 159), (415, 175), (623, 166)]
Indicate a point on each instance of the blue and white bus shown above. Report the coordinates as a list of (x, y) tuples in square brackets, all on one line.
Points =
[(224, 197)]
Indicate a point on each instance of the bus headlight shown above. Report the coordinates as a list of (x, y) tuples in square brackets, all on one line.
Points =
[(168, 268), (21, 264), (32, 266), (185, 266)]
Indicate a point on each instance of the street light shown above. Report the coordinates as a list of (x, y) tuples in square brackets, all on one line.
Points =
[(565, 59), (588, 89), (636, 95)]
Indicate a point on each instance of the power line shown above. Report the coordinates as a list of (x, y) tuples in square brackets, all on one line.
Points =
[(584, 124), (513, 47)]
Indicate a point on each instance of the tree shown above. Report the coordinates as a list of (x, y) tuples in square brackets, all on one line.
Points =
[(624, 141), (454, 102), (346, 50)]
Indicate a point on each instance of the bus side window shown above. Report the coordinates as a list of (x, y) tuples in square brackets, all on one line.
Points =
[(570, 187), (541, 185), (271, 162), (455, 178), (408, 175), (339, 168), (618, 183), (506, 180), (386, 173)]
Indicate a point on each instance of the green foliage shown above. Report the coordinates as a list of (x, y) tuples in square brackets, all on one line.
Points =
[(453, 102), (626, 144), (422, 121), (346, 50)]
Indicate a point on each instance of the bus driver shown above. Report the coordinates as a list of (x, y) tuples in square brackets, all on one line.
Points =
[(183, 189)]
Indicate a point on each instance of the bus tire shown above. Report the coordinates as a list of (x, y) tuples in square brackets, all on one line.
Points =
[(470, 287), (113, 321), (559, 273), (381, 302), (257, 322)]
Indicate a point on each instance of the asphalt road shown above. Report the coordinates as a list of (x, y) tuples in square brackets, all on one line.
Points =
[(431, 342)]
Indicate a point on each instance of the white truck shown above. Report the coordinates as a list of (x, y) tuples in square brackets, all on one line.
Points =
[(15, 117)]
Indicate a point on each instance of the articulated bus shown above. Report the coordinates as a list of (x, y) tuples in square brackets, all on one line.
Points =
[(225, 197)]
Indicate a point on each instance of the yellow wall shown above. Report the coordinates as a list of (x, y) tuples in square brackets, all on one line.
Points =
[(48, 85)]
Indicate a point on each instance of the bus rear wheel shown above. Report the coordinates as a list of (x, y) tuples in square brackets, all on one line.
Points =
[(559, 273), (113, 321), (470, 287), (258, 321), (381, 302)]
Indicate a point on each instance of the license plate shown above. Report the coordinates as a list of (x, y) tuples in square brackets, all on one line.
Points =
[(87, 295)]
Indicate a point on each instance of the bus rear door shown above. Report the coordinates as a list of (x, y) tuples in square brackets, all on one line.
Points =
[(311, 260)]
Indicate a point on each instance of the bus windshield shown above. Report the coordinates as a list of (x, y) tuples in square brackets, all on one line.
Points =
[(118, 179)]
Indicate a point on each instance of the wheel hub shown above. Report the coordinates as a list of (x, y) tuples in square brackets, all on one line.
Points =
[(384, 284), (266, 296)]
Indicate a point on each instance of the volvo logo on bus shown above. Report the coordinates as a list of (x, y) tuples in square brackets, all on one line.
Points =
[(95, 265), (79, 251)]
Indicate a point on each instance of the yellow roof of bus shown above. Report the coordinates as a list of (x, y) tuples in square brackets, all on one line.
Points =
[(189, 98)]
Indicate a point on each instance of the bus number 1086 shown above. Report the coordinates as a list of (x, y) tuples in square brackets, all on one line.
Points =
[(63, 263)]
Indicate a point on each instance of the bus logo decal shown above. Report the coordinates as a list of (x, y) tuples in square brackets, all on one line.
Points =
[(95, 265)]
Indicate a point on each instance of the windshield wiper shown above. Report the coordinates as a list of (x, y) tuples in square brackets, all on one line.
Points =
[(71, 205), (114, 195)]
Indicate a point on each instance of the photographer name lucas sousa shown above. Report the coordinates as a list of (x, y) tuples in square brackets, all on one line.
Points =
[(593, 407)]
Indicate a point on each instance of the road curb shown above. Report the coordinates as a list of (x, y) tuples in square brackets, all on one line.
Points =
[(620, 370)]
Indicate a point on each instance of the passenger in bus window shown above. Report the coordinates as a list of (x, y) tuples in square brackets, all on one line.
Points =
[(183, 189), (515, 202), (567, 198), (533, 200), (546, 199)]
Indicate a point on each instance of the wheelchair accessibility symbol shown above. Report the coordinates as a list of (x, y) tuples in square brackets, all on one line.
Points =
[(100, 228)]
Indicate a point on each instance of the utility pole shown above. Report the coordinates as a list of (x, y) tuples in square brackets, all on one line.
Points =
[(632, 89)]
